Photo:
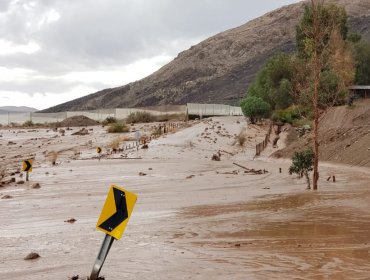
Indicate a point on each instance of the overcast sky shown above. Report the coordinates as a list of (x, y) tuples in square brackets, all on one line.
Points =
[(53, 51)]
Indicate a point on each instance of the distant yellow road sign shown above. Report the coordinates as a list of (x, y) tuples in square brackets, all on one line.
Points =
[(27, 165), (98, 150), (116, 211)]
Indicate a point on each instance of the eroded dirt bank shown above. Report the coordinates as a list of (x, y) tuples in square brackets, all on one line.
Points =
[(195, 218)]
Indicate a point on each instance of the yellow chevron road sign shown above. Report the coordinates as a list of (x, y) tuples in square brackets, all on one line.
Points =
[(27, 165), (116, 211)]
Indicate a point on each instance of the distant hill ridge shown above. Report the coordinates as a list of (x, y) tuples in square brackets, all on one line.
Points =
[(20, 109), (220, 68)]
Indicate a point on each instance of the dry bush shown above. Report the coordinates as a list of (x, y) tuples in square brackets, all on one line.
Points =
[(170, 117), (116, 142), (52, 156), (109, 120), (28, 124), (117, 128), (241, 138), (145, 117), (140, 117), (156, 131)]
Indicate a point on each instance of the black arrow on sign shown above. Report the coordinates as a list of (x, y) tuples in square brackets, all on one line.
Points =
[(28, 165), (99, 150), (121, 212)]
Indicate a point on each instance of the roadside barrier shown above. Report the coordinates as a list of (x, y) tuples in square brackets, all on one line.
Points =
[(261, 146)]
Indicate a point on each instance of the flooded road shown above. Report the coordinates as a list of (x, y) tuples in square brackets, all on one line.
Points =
[(194, 219)]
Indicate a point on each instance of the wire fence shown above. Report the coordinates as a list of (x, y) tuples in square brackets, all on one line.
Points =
[(260, 147)]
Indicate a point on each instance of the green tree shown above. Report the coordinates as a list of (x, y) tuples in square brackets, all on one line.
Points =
[(273, 83), (362, 63), (320, 38), (329, 17), (354, 37), (255, 108), (302, 163)]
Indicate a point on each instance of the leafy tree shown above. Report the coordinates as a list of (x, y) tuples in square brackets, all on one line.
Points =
[(321, 43), (362, 62), (340, 63), (328, 84), (302, 163), (329, 17), (273, 83), (354, 37), (255, 108)]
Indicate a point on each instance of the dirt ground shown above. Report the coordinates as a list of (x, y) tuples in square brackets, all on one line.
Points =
[(195, 218), (344, 135)]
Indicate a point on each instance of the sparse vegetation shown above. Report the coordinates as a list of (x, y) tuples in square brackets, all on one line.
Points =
[(241, 138), (118, 128), (156, 131), (28, 124), (52, 157), (140, 117), (109, 120), (170, 117), (116, 142), (145, 117)]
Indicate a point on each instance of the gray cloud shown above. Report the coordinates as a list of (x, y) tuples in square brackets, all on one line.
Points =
[(46, 85), (94, 34)]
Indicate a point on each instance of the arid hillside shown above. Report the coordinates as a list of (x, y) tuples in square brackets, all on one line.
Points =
[(344, 136), (219, 69)]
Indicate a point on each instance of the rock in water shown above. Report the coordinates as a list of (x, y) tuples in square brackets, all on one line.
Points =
[(36, 186), (32, 256)]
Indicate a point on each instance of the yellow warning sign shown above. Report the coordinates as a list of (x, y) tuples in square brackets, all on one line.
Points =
[(27, 165), (98, 150), (116, 211)]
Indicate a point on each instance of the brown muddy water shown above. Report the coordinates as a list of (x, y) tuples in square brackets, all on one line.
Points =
[(194, 219), (301, 236)]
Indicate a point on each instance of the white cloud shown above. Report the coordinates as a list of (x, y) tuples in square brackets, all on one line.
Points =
[(85, 80), (119, 75), (47, 18), (41, 100), (10, 48), (15, 74)]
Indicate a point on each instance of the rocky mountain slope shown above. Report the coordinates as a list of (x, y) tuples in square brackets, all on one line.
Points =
[(219, 69)]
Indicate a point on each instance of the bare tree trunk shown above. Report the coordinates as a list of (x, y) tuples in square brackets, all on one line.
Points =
[(316, 123), (315, 96), (308, 180)]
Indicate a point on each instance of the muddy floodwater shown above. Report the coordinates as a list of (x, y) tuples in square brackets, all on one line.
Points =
[(194, 219)]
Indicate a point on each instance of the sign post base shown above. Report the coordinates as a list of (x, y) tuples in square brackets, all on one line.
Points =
[(104, 250)]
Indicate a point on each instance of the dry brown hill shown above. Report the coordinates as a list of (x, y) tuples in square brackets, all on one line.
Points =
[(219, 69), (344, 136)]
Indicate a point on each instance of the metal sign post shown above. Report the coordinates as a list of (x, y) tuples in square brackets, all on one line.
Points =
[(137, 136), (104, 250), (27, 167), (113, 221), (98, 150)]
